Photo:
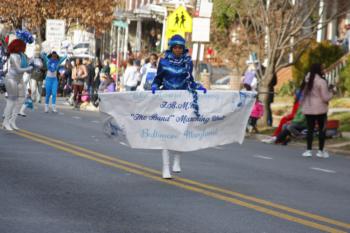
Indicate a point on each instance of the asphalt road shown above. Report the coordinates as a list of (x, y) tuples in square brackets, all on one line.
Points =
[(60, 173)]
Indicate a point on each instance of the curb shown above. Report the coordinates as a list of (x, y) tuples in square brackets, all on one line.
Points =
[(331, 148)]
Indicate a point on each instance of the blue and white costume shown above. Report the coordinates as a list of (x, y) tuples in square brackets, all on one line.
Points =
[(175, 73), (51, 82), (16, 66)]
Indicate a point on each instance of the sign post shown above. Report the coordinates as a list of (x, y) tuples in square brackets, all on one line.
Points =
[(201, 29), (179, 22)]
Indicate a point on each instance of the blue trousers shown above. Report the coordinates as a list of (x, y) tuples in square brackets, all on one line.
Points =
[(51, 85)]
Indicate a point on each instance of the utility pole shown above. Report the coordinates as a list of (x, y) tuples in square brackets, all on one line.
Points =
[(320, 30), (267, 36)]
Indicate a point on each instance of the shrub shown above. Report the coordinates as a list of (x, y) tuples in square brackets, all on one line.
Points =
[(287, 89), (344, 118), (340, 103), (344, 78)]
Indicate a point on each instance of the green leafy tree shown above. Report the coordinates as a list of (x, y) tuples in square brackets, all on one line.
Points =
[(224, 23), (224, 14), (324, 53)]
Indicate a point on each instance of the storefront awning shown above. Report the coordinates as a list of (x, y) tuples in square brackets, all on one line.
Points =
[(151, 9)]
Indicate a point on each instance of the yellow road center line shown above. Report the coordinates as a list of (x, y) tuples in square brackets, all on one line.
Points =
[(50, 141)]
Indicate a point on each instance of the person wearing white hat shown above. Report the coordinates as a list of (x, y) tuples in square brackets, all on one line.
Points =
[(38, 75), (33, 81)]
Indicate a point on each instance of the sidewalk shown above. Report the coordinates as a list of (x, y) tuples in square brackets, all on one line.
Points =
[(332, 147)]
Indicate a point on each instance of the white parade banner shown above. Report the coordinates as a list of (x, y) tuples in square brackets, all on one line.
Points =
[(166, 119)]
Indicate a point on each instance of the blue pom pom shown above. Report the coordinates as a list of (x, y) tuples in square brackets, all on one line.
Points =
[(29, 103), (24, 35)]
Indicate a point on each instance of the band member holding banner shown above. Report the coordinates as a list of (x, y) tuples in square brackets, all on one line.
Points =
[(175, 73)]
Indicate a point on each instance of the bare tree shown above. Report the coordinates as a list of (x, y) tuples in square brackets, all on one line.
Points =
[(277, 27)]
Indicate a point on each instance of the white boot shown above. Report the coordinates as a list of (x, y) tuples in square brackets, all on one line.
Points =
[(166, 164), (6, 125), (21, 112), (7, 114), (13, 121), (54, 108), (46, 108), (15, 111), (176, 165)]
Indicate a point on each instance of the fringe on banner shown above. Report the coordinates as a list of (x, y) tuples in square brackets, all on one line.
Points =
[(112, 130)]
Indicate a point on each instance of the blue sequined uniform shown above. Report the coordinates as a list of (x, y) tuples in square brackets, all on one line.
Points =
[(175, 73)]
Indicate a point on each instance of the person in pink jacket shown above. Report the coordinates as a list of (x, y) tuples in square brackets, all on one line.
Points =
[(314, 103), (257, 112)]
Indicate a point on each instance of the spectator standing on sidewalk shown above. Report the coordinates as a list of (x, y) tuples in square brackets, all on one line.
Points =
[(105, 68), (79, 74), (270, 98), (148, 73), (90, 77), (97, 80), (37, 76), (314, 102), (249, 79), (131, 76), (67, 89), (107, 84)]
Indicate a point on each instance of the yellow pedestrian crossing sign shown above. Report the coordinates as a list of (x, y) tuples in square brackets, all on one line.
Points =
[(179, 22)]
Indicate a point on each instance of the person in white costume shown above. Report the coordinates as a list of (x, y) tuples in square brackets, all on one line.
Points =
[(26, 86), (148, 72), (33, 81), (17, 65)]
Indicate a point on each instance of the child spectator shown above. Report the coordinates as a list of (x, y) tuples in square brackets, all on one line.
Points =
[(249, 80), (257, 112), (107, 83)]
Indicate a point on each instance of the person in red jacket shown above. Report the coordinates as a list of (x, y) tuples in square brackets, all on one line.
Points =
[(285, 119)]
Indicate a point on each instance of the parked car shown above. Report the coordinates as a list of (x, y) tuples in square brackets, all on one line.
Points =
[(204, 66), (220, 72), (81, 49), (223, 81)]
